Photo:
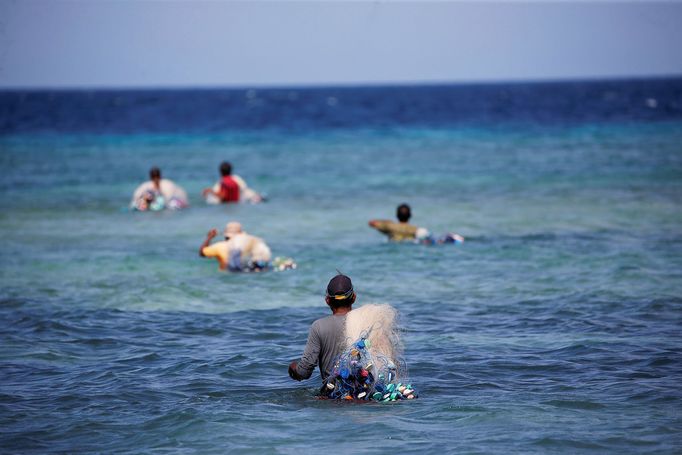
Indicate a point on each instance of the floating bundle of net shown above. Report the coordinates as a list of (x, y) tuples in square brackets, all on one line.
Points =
[(370, 368), (280, 264), (154, 201)]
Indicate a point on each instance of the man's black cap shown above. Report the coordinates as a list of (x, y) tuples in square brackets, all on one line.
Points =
[(340, 287)]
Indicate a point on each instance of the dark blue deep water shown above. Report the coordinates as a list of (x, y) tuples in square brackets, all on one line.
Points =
[(555, 328)]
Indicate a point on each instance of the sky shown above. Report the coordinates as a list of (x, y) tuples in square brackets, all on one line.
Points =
[(162, 43)]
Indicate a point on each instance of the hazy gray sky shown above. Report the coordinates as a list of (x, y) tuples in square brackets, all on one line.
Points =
[(218, 43)]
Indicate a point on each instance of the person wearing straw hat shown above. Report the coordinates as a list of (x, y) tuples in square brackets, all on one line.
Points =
[(238, 252)]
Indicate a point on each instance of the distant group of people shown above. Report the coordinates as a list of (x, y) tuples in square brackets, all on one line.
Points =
[(160, 194), (240, 251)]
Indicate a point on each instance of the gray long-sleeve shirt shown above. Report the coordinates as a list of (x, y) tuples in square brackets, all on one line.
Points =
[(326, 340)]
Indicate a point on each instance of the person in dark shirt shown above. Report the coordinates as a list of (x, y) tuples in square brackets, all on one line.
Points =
[(326, 339)]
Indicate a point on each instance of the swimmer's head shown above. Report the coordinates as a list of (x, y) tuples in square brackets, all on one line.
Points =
[(232, 228), (403, 213), (155, 173), (225, 168), (340, 292)]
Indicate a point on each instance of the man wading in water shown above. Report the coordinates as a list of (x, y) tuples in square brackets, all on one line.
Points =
[(327, 335)]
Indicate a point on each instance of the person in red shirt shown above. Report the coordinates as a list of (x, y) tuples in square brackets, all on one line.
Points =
[(230, 188)]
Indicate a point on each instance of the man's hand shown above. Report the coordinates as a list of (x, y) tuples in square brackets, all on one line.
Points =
[(292, 371), (212, 233)]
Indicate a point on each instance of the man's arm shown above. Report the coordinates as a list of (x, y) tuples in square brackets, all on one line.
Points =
[(380, 225), (303, 369), (214, 190), (212, 233), (218, 250)]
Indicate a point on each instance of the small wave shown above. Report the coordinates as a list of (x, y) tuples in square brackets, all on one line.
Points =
[(575, 404)]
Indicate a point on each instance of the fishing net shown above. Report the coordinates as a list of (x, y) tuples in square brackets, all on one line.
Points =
[(371, 367), (280, 264)]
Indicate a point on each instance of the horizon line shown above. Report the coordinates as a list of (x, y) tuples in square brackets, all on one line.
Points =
[(342, 85)]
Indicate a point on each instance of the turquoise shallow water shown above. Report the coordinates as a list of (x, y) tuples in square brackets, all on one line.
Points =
[(555, 328)]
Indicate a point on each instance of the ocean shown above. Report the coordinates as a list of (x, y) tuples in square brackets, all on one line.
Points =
[(556, 327)]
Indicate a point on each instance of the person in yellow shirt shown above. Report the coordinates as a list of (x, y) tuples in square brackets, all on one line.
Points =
[(400, 231), (239, 252), (403, 231)]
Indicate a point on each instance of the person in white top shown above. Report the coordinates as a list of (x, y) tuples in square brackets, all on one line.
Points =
[(158, 194)]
